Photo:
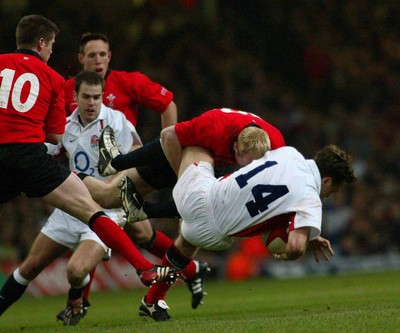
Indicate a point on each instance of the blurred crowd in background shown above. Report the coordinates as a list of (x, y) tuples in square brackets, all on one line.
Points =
[(321, 71)]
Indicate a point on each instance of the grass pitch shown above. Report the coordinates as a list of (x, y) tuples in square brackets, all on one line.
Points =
[(343, 303)]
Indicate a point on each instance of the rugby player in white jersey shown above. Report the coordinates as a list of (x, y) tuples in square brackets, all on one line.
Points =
[(280, 187)]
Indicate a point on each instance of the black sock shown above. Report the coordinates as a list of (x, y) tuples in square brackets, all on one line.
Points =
[(161, 210), (142, 156), (176, 258), (10, 293), (75, 293), (82, 175)]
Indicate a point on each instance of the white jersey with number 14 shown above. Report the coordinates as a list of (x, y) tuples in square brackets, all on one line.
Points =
[(280, 184)]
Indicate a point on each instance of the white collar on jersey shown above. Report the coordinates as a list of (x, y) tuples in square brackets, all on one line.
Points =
[(74, 117)]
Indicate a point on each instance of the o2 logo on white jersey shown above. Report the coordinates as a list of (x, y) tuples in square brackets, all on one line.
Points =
[(82, 163), (263, 194), (7, 88)]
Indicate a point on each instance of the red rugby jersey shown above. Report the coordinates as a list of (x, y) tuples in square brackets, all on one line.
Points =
[(125, 91), (31, 98), (217, 129)]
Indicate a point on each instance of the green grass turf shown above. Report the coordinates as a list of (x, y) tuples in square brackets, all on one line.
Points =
[(343, 303)]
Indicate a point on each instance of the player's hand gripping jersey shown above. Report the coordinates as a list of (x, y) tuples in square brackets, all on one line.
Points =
[(217, 129)]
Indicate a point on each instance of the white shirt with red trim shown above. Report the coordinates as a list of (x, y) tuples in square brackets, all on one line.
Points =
[(282, 184), (82, 142), (278, 188)]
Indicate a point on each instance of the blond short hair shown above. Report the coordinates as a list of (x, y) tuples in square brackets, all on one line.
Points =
[(255, 140)]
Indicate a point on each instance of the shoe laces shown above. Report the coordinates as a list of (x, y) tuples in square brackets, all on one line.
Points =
[(76, 306)]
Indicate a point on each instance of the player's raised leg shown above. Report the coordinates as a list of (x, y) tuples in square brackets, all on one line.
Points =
[(74, 198)]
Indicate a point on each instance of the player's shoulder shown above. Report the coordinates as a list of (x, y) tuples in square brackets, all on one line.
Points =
[(57, 76), (210, 114), (70, 82), (107, 112), (115, 74), (29, 62), (122, 80), (111, 116), (286, 152), (44, 70), (117, 120), (5, 56), (72, 123)]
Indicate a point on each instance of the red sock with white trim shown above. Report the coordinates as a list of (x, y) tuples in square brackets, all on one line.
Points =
[(115, 238)]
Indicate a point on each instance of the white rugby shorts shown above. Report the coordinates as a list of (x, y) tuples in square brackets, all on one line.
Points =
[(69, 231), (191, 195)]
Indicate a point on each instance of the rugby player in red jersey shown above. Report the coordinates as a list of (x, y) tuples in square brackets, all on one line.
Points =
[(123, 91), (32, 112), (234, 137)]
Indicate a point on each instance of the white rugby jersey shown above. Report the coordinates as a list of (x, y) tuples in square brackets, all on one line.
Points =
[(282, 185), (82, 143)]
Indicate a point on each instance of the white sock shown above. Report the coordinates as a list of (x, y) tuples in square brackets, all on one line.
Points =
[(84, 282), (19, 278)]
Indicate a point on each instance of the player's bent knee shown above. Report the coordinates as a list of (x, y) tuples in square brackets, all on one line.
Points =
[(78, 269), (75, 274), (78, 281)]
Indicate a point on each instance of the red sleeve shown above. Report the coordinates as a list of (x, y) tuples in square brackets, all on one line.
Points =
[(70, 104), (146, 92), (56, 119)]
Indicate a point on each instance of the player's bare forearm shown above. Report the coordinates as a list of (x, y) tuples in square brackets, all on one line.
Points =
[(169, 116), (296, 245), (53, 138), (172, 147)]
